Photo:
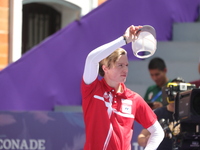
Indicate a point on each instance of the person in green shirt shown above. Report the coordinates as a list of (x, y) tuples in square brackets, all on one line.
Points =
[(158, 72)]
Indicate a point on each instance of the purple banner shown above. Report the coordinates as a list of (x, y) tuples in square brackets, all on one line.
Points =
[(50, 73)]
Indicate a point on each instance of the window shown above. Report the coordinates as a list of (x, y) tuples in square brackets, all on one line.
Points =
[(39, 22)]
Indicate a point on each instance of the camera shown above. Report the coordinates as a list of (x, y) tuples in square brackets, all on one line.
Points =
[(186, 98), (171, 90), (187, 106)]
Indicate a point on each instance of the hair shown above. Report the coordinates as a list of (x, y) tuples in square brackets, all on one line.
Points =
[(157, 63), (111, 59)]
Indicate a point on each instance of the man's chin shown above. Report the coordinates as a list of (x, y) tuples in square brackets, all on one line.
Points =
[(158, 84), (124, 80)]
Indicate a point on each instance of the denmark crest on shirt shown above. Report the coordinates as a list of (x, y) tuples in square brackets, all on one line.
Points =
[(126, 106), (106, 96)]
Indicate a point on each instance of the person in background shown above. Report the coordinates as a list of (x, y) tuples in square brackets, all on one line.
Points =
[(166, 117), (109, 107), (158, 72)]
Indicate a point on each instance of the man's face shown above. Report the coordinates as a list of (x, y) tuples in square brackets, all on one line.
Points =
[(117, 73), (158, 76)]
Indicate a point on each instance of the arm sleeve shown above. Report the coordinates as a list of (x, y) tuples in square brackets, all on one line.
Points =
[(94, 57), (156, 137)]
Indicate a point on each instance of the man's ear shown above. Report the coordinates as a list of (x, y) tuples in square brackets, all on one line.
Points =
[(104, 68), (165, 70)]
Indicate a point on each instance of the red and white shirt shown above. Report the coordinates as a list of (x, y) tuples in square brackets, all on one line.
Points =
[(109, 116)]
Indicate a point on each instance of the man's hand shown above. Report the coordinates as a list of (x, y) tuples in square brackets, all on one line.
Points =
[(143, 137), (157, 105), (131, 33)]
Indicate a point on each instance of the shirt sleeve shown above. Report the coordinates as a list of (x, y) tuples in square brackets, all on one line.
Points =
[(144, 114), (94, 57)]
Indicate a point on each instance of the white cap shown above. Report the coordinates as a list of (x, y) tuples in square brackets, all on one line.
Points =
[(145, 45)]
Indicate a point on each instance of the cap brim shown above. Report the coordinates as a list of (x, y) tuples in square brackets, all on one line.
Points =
[(148, 28)]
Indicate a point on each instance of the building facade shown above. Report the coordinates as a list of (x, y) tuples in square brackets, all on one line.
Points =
[(25, 23)]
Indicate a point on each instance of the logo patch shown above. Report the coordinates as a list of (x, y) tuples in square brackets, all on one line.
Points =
[(150, 96), (127, 106), (105, 95), (126, 109)]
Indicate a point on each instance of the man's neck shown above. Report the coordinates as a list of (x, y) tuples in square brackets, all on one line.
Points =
[(164, 83)]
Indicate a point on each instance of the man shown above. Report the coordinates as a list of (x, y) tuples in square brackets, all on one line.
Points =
[(157, 71), (109, 107), (167, 118)]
